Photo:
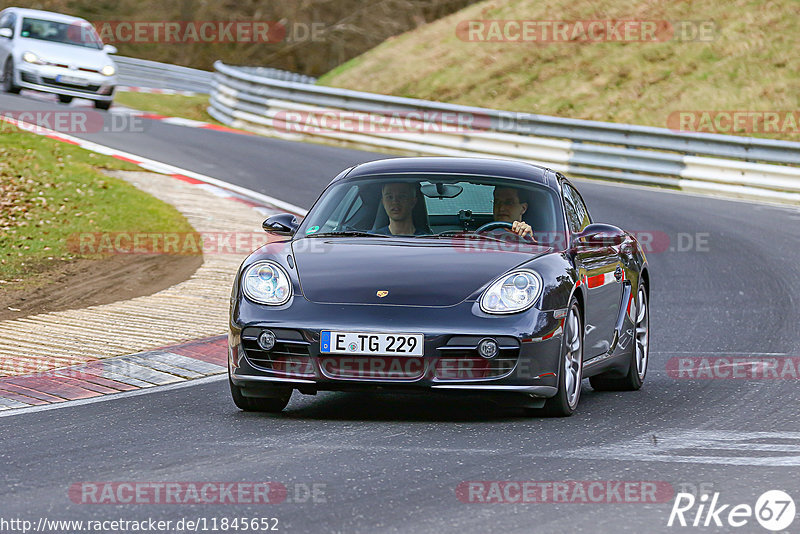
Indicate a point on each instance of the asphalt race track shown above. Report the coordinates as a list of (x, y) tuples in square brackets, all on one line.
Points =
[(393, 463)]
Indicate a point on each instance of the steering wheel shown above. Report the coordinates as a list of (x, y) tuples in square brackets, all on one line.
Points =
[(494, 225)]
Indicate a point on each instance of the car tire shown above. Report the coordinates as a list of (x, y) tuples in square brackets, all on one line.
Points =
[(8, 79), (256, 404), (570, 372), (637, 370), (103, 104), (64, 99)]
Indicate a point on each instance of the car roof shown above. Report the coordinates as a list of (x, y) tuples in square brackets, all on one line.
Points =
[(47, 15), (475, 166)]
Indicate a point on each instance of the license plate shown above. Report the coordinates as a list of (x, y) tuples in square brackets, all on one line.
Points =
[(71, 80), (371, 343)]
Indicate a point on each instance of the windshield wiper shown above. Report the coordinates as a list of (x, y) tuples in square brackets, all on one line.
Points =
[(470, 235), (460, 236), (347, 233)]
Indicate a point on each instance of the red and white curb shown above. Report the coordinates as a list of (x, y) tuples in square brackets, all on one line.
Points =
[(126, 89), (191, 362), (188, 123), (169, 365), (177, 121), (604, 279), (600, 280), (258, 201), (154, 91)]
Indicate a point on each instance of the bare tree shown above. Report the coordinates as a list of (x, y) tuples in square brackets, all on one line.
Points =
[(319, 34)]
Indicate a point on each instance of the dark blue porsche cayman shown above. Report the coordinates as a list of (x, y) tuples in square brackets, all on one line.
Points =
[(471, 276)]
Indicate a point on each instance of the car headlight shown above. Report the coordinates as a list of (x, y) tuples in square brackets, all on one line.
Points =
[(30, 57), (108, 70), (266, 282), (513, 292)]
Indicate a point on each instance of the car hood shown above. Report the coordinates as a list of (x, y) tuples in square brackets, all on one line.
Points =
[(66, 54), (413, 272)]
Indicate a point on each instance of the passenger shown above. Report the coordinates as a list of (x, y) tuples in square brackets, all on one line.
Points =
[(399, 199)]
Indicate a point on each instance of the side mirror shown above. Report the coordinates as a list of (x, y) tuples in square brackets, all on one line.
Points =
[(281, 224), (601, 235), (8, 33), (110, 49)]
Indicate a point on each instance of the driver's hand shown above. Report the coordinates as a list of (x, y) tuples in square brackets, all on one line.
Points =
[(522, 229)]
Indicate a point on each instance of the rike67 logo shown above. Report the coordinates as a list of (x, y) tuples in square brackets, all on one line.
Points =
[(774, 510)]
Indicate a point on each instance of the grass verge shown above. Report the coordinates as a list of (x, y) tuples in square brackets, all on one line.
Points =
[(187, 107), (50, 191)]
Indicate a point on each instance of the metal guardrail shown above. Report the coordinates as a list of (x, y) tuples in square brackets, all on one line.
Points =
[(134, 72), (277, 74), (752, 167)]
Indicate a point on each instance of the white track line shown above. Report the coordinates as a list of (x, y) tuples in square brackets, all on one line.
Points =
[(155, 166)]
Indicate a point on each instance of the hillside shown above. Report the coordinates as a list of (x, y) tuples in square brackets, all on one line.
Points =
[(750, 62)]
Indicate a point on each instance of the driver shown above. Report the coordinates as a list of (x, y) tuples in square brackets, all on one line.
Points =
[(399, 199), (508, 207)]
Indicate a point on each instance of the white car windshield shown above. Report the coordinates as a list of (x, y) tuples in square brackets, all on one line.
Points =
[(77, 34)]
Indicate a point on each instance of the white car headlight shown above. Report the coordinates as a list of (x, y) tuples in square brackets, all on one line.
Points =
[(513, 292), (30, 57), (108, 70), (266, 282)]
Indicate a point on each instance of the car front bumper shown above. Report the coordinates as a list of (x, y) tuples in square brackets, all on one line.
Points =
[(527, 364), (45, 78)]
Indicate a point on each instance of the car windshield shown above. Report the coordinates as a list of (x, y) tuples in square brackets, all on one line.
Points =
[(434, 205), (77, 34)]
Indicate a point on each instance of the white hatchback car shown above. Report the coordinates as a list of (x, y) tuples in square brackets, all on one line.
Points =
[(57, 54)]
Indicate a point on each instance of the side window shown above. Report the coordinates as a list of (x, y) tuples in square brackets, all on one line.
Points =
[(571, 213), (345, 207), (579, 212), (583, 213)]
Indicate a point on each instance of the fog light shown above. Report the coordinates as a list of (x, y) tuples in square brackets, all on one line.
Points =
[(488, 348), (266, 340)]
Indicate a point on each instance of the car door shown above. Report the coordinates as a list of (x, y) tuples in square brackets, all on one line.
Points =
[(601, 271)]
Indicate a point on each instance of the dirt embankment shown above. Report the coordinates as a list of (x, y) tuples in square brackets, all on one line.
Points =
[(83, 283)]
